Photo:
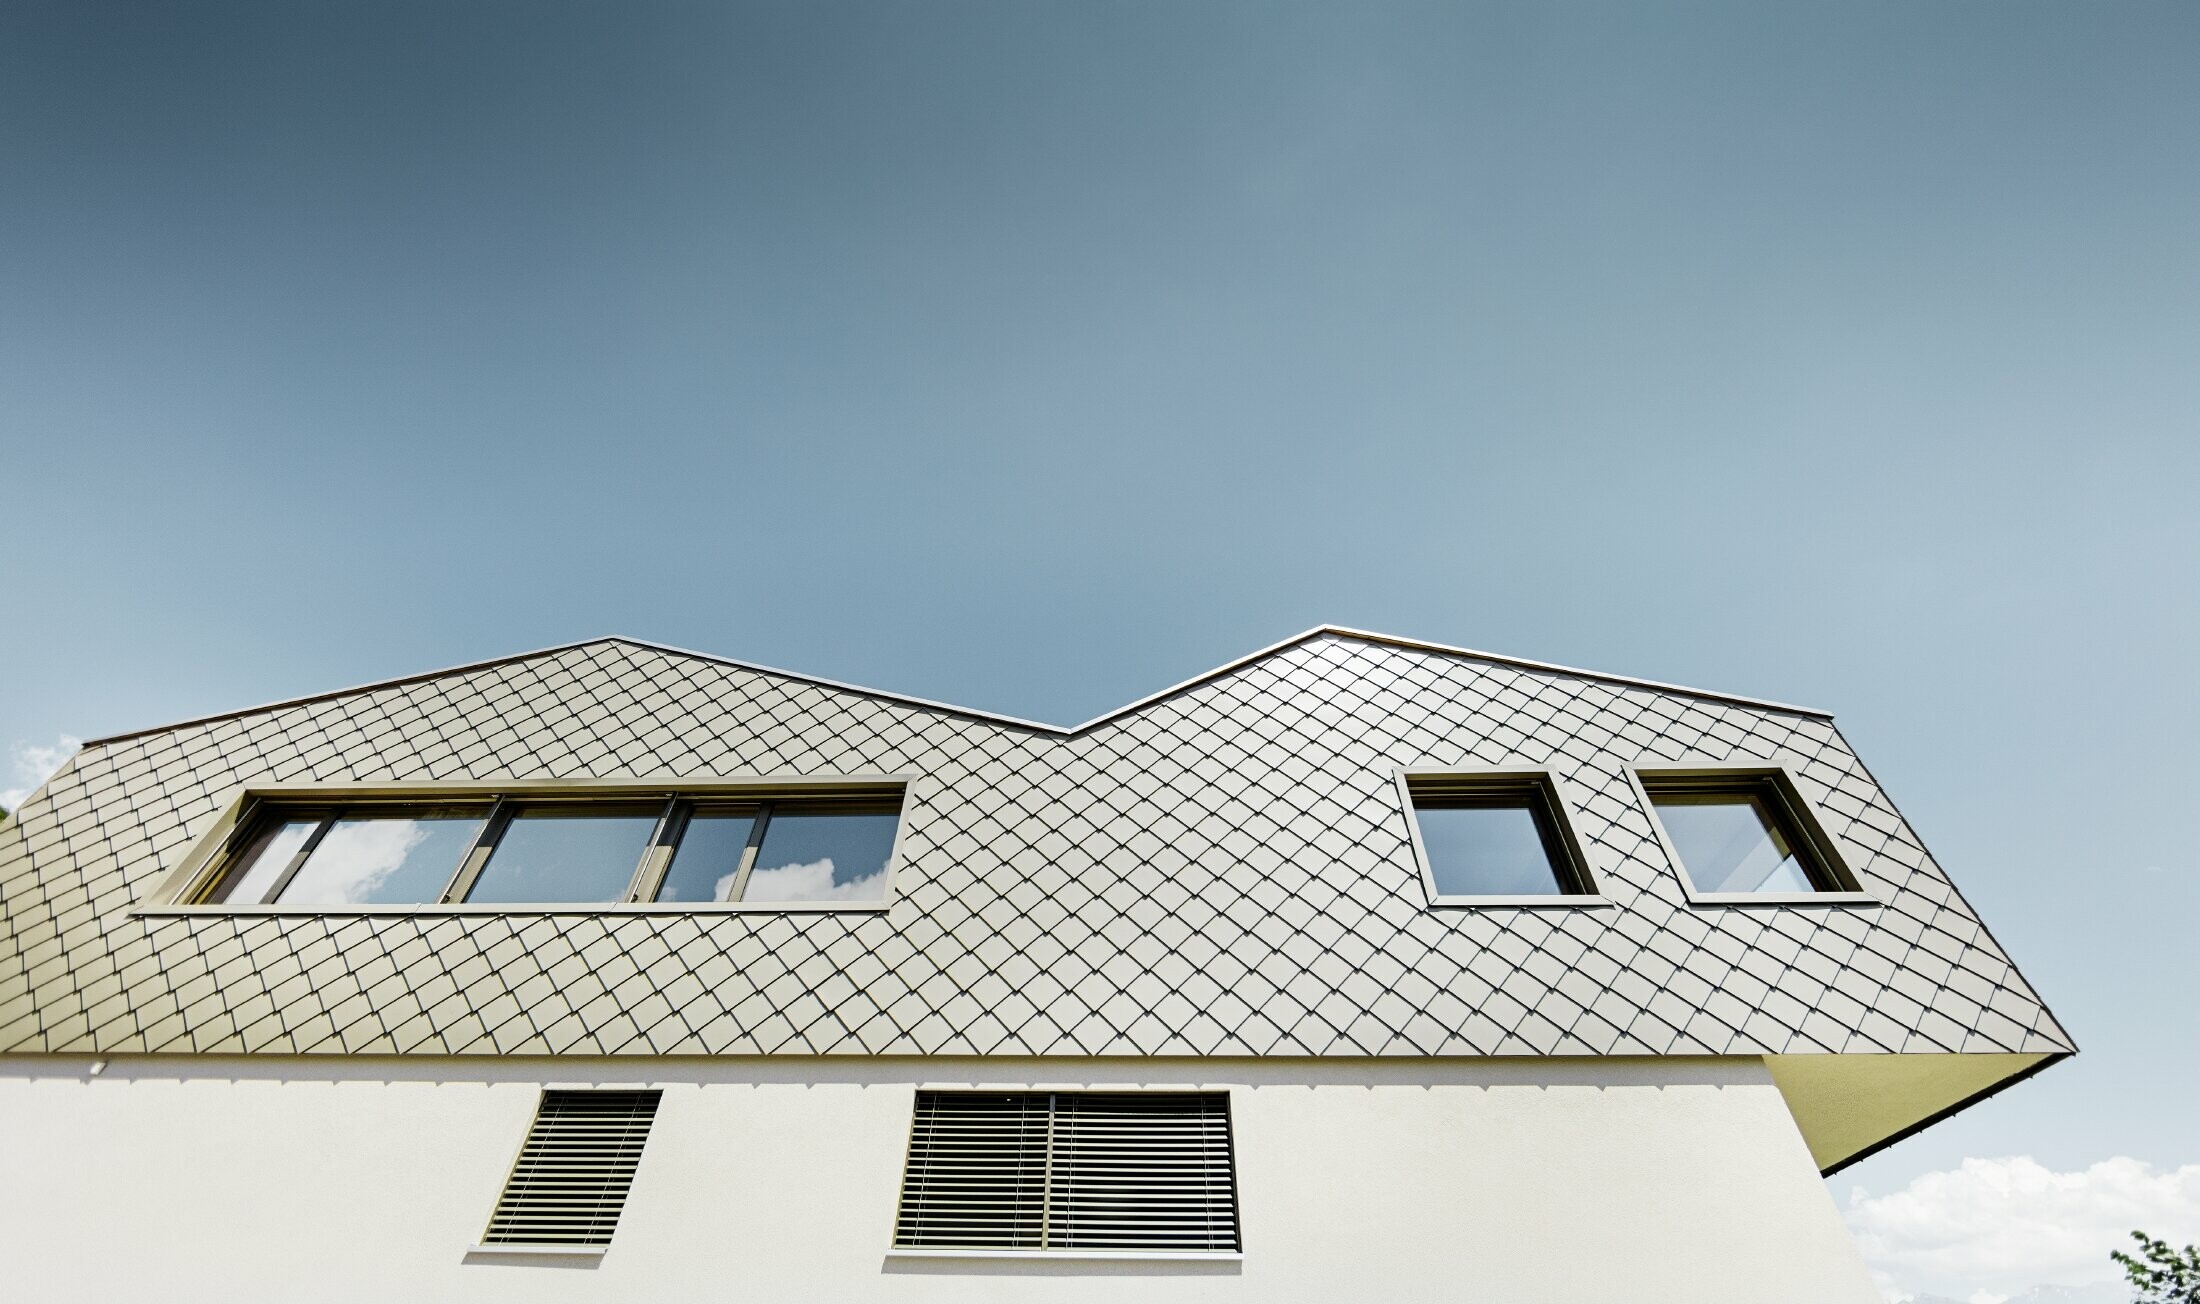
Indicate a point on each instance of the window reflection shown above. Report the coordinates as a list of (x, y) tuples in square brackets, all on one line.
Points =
[(708, 860), (552, 852), (263, 863), (551, 855), (383, 860), (816, 856), (1494, 847), (1731, 842)]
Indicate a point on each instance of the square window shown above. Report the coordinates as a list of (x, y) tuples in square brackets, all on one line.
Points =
[(1743, 833), (1496, 835)]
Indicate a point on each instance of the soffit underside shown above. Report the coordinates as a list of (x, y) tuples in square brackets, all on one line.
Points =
[(1851, 1106)]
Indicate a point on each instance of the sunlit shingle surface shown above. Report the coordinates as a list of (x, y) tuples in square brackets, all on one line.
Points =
[(1224, 871)]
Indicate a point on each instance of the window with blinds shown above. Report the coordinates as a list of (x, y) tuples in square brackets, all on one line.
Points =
[(1133, 1172), (574, 1170)]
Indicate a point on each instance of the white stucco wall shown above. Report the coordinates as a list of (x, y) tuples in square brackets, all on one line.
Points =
[(322, 1179)]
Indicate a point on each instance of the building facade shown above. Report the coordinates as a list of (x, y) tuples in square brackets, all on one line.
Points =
[(1357, 968)]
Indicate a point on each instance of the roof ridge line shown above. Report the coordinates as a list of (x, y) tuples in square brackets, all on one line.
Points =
[(1235, 663), (760, 668), (1602, 676)]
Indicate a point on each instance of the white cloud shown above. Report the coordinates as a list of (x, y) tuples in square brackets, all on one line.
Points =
[(2105, 1292), (811, 882), (31, 765), (1997, 1228), (356, 857)]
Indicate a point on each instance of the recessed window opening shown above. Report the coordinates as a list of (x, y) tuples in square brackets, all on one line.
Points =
[(534, 850), (1108, 1172), (1743, 834), (1494, 835)]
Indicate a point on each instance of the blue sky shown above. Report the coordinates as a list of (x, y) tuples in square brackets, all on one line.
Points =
[(1034, 357)]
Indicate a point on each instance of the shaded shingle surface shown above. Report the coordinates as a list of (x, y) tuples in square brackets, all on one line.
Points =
[(1223, 871)]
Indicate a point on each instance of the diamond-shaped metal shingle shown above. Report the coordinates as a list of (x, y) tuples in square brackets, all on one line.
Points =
[(1222, 871)]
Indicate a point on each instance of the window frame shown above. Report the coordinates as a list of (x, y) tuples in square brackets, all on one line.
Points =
[(1558, 808), (507, 809), (664, 843), (1816, 849), (325, 817), (209, 861)]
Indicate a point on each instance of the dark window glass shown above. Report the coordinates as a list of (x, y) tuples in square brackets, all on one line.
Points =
[(708, 859), (1499, 843), (368, 859), (822, 856), (552, 854), (1732, 842)]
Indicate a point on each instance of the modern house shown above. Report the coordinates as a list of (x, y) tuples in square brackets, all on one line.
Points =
[(1360, 968)]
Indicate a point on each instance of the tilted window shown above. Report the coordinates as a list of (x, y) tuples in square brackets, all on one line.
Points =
[(1086, 1172), (1494, 836), (570, 1182), (1738, 834), (531, 849)]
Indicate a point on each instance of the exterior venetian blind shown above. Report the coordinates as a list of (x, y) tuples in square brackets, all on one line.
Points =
[(1133, 1172), (574, 1169)]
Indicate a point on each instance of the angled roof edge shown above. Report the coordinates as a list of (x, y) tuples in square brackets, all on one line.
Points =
[(1423, 645), (1130, 708), (367, 687)]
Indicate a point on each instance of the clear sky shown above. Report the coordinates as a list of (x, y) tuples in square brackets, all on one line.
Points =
[(1036, 356)]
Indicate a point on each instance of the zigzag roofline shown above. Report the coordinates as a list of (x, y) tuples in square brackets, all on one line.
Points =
[(1131, 708)]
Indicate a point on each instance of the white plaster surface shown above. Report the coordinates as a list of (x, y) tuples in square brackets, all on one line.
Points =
[(264, 1178)]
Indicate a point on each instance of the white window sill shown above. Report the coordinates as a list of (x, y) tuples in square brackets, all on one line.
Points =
[(1209, 1256), (1540, 901), (542, 1251), (1782, 899), (580, 908)]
